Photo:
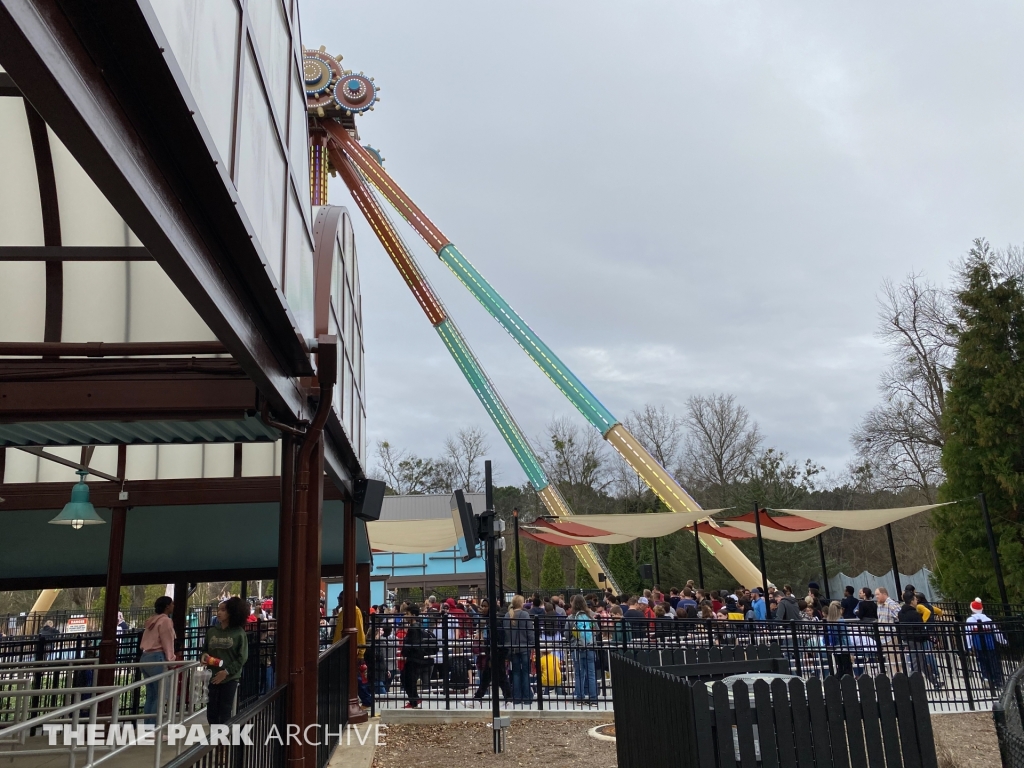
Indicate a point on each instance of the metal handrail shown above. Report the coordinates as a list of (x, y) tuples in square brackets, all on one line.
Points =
[(178, 699)]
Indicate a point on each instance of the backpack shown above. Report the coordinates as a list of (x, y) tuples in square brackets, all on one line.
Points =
[(983, 638), (550, 671), (583, 630)]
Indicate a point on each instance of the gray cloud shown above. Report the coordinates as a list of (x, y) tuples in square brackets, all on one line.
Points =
[(679, 198)]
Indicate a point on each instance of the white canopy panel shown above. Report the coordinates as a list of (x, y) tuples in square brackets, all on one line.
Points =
[(859, 519), (641, 526)]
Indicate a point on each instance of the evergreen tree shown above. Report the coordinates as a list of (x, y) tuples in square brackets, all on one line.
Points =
[(583, 578), (984, 425), (552, 576), (623, 568), (525, 575)]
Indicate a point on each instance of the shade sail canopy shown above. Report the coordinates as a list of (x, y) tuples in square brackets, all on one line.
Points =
[(859, 519), (580, 534), (791, 523), (723, 532), (638, 526), (778, 534), (411, 536), (789, 529), (551, 539)]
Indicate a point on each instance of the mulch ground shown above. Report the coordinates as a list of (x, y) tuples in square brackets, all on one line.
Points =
[(966, 740), (962, 741), (547, 743)]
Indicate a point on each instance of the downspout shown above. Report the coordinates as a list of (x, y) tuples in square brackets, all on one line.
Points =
[(300, 624)]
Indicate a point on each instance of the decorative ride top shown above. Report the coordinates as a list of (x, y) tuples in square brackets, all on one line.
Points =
[(332, 90)]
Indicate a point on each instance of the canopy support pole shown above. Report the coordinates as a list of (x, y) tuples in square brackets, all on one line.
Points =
[(824, 571), (892, 557), (994, 551), (760, 549), (657, 568), (700, 567)]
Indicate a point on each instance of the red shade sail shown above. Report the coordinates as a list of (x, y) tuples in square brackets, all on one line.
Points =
[(725, 532)]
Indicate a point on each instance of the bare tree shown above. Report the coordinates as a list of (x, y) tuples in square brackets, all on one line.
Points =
[(404, 472), (721, 444), (462, 459), (897, 447), (578, 461), (660, 432), (901, 439)]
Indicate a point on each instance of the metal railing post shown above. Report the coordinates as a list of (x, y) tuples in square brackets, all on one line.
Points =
[(796, 648), (878, 649), (445, 660), (964, 665), (371, 666), (536, 650)]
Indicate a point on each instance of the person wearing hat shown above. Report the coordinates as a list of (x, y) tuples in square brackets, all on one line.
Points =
[(984, 637)]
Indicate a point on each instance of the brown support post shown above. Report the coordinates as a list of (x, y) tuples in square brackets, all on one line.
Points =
[(311, 589), (298, 617), (301, 629), (355, 712), (363, 580), (284, 603), (180, 612), (112, 598)]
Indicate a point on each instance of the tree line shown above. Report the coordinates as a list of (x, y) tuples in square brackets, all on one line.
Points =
[(949, 424)]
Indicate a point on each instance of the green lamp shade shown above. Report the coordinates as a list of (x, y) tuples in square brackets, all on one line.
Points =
[(79, 511)]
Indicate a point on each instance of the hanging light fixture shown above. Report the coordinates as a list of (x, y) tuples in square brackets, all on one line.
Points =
[(79, 511)]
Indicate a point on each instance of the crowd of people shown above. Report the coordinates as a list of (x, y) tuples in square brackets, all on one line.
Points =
[(544, 641)]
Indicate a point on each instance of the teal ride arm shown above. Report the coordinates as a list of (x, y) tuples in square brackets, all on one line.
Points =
[(492, 402), (539, 352)]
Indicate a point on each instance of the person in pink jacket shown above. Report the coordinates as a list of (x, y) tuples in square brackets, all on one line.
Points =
[(157, 644)]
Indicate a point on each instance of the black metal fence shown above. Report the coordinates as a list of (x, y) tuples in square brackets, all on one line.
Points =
[(268, 734), (957, 611), (258, 675), (29, 623), (1008, 713), (541, 664), (269, 746), (784, 724), (332, 698)]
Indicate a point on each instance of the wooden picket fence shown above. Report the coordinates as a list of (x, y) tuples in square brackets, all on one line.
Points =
[(663, 720)]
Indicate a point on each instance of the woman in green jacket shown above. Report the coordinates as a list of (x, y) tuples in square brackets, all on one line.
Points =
[(225, 652)]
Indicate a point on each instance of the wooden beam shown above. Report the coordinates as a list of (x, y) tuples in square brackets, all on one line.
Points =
[(7, 86), (69, 463), (151, 493), (109, 349), (170, 398), (74, 253)]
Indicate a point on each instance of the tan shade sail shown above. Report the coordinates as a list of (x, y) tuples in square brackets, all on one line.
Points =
[(859, 519), (566, 534), (777, 534), (411, 536), (642, 526)]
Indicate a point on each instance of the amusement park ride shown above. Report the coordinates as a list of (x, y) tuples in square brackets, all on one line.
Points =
[(335, 96)]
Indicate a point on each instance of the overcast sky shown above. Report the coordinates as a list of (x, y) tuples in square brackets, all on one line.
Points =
[(678, 197)]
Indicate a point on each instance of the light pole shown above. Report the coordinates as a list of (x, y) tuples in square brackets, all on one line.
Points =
[(490, 530)]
